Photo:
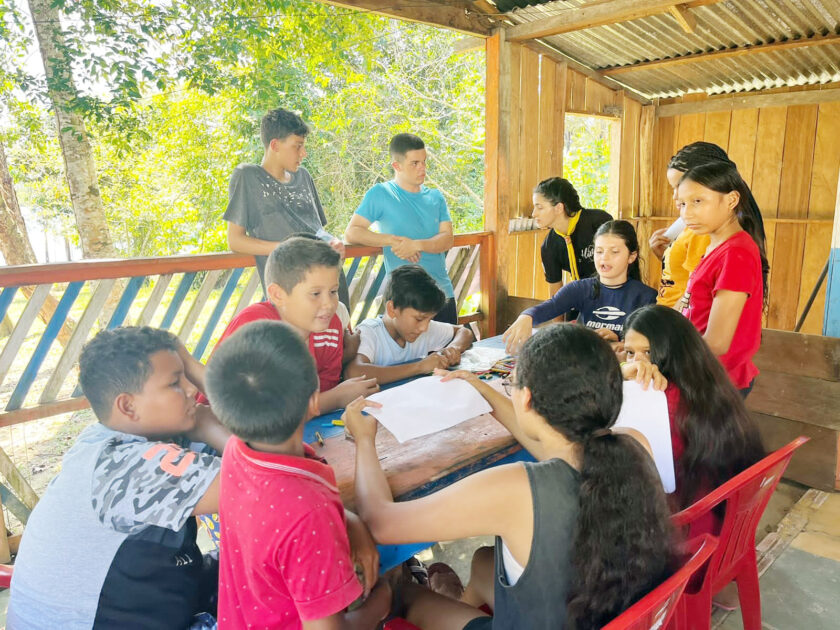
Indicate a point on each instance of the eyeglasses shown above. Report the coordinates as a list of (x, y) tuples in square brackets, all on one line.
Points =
[(507, 385)]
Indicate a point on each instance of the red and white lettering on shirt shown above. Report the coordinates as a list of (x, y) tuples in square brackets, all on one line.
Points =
[(734, 265), (285, 556), (327, 347)]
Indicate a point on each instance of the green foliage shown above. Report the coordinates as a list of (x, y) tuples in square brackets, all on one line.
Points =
[(586, 158), (173, 92)]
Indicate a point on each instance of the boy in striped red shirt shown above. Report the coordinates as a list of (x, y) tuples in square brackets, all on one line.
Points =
[(301, 277)]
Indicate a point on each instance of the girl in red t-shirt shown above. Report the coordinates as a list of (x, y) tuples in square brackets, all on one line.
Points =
[(725, 295)]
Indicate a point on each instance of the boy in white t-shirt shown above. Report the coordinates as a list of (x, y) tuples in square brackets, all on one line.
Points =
[(391, 344)]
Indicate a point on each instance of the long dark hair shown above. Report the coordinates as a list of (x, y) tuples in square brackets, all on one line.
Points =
[(721, 438), (700, 153), (558, 190), (724, 178), (623, 545)]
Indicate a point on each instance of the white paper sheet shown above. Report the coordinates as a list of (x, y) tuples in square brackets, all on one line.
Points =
[(426, 405), (675, 230), (479, 358), (647, 412)]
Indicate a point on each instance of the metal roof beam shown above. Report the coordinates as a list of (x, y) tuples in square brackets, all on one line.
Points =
[(817, 40)]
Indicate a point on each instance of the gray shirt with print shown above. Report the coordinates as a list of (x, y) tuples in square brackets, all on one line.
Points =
[(271, 210)]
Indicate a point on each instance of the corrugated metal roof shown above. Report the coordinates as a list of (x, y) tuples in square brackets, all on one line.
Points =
[(720, 26)]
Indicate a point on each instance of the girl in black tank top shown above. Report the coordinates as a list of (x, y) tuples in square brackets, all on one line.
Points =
[(588, 522)]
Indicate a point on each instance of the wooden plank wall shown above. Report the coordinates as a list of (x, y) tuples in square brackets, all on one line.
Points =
[(790, 157), (543, 91)]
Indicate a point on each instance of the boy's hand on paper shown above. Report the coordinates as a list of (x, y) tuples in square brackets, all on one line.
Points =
[(355, 387), (433, 362), (452, 355), (518, 333), (644, 373), (359, 425), (659, 242), (363, 550)]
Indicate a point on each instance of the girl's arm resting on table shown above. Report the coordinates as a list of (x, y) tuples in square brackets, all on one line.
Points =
[(725, 313), (560, 303), (491, 502)]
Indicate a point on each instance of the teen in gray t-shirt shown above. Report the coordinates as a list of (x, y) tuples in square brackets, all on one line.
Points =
[(270, 210), (272, 200)]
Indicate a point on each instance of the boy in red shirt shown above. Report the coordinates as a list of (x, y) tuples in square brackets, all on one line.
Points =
[(301, 277), (286, 560)]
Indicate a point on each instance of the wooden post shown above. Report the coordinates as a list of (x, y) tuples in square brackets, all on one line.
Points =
[(497, 178), (831, 322), (650, 267)]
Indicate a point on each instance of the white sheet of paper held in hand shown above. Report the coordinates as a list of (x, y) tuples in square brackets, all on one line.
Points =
[(426, 405), (647, 412)]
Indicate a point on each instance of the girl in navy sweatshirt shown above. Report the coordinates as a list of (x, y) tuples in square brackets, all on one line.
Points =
[(604, 300)]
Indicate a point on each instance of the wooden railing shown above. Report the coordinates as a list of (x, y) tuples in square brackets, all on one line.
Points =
[(50, 311)]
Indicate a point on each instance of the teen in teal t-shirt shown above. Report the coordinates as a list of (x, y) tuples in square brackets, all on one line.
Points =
[(413, 215)]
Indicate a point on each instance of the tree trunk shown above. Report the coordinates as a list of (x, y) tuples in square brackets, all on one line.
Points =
[(80, 168), (16, 248)]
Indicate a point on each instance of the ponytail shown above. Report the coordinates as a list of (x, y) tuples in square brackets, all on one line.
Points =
[(623, 545), (620, 549)]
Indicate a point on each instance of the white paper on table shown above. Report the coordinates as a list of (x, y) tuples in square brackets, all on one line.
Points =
[(647, 412), (427, 405), (479, 358)]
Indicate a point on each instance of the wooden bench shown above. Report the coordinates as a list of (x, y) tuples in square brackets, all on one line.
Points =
[(798, 393)]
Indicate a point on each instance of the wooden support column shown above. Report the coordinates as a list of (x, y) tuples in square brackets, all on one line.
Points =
[(502, 88), (831, 322), (651, 267)]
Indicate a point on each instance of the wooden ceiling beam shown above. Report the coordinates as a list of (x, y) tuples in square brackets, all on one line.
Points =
[(817, 40), (458, 16), (595, 14), (684, 17), (749, 101)]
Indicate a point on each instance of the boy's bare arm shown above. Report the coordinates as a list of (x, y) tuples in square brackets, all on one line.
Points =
[(347, 390), (239, 241), (361, 367), (193, 368), (358, 232), (208, 430), (462, 340), (209, 503)]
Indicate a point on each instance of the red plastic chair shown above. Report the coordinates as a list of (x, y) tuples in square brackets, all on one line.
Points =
[(5, 575), (746, 496), (654, 609)]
